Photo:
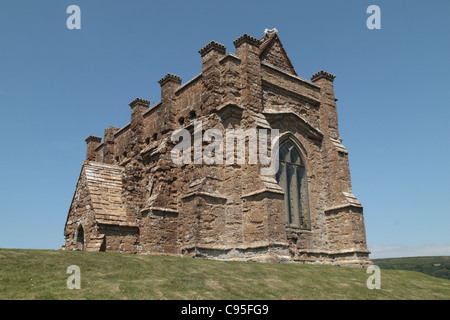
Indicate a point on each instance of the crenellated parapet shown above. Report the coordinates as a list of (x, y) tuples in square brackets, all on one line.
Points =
[(322, 74), (245, 38), (212, 46)]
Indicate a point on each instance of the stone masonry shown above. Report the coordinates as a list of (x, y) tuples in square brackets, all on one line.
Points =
[(131, 197)]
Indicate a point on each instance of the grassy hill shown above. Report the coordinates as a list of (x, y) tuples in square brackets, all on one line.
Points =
[(434, 266), (41, 274)]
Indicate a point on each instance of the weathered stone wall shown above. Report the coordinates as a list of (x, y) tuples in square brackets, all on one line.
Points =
[(231, 211), (118, 238), (81, 215)]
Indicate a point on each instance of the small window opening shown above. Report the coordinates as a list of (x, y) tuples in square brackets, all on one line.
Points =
[(80, 238)]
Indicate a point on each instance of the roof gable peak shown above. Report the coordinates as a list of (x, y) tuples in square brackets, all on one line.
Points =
[(272, 51)]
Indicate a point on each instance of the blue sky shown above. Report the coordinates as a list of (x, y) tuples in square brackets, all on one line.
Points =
[(58, 86)]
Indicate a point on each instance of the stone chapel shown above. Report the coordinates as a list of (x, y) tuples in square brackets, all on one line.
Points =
[(131, 197)]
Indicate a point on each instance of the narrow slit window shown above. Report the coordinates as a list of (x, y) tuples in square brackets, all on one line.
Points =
[(80, 238)]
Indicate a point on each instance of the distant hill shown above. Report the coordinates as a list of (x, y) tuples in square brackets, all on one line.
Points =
[(438, 266), (42, 274)]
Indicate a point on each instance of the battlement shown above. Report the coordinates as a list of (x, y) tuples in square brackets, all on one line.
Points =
[(273, 63)]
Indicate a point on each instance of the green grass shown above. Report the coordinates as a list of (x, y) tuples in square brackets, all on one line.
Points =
[(437, 266), (41, 274)]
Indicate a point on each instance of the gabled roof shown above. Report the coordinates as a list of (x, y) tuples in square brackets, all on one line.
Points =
[(103, 183), (270, 47)]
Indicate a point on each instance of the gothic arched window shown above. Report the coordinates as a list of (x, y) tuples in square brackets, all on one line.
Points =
[(292, 178)]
